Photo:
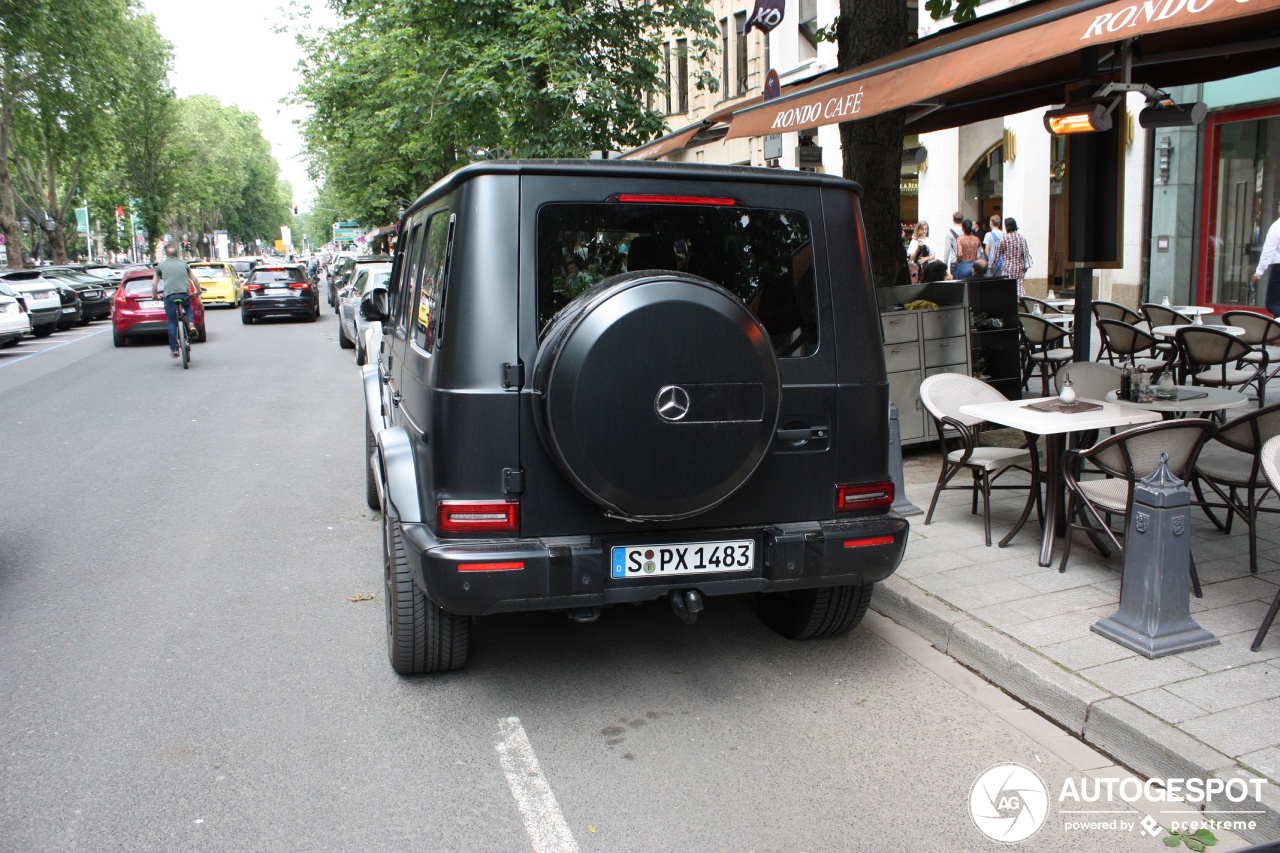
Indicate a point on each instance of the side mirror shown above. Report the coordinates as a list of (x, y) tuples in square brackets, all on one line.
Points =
[(374, 306)]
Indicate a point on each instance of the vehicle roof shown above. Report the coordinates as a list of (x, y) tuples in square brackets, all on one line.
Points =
[(633, 170)]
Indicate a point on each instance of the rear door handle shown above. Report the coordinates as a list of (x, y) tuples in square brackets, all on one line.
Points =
[(395, 398), (801, 433)]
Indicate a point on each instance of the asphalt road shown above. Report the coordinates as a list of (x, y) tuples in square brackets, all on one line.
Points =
[(181, 668)]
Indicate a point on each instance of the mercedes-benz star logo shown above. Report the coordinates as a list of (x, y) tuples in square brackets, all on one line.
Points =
[(672, 403)]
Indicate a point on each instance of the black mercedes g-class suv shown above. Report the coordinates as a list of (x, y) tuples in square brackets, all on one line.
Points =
[(605, 382)]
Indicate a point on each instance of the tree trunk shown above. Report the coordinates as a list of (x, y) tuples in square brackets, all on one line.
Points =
[(8, 203), (56, 243), (873, 146)]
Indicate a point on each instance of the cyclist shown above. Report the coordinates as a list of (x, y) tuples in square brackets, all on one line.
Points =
[(178, 281)]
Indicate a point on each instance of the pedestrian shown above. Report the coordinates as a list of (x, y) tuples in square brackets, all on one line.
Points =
[(954, 233), (967, 247), (1013, 254), (1269, 265), (917, 250), (989, 243)]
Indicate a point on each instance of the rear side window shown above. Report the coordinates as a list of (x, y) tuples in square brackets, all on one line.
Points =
[(408, 267), (762, 256), (434, 272)]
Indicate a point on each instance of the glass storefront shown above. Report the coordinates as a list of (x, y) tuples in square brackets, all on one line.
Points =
[(1241, 200)]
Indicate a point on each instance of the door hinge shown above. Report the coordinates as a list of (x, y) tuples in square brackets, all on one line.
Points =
[(513, 481), (513, 375)]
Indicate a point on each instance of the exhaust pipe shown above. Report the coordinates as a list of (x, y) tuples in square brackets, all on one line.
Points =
[(687, 604)]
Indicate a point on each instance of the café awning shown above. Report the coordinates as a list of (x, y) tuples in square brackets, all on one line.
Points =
[(1026, 57), (673, 141)]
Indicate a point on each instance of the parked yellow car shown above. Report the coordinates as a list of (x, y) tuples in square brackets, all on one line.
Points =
[(222, 285)]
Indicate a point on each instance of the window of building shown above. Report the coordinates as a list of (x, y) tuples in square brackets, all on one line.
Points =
[(740, 27), (1241, 200), (682, 74), (724, 58), (666, 73)]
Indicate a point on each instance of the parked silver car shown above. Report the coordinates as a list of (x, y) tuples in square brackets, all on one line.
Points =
[(354, 330)]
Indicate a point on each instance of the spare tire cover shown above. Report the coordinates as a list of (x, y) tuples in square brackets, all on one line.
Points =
[(659, 394)]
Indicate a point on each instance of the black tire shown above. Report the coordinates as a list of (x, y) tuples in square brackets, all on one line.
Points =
[(421, 637), (603, 376), (246, 319), (184, 346), (343, 341), (361, 358), (201, 335), (119, 339), (810, 614), (370, 485), (43, 331)]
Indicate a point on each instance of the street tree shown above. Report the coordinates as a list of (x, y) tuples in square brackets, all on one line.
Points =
[(58, 67), (405, 91)]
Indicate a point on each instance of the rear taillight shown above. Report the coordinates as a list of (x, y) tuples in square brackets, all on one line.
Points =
[(252, 287), (478, 516), (299, 285), (869, 541), (506, 566), (853, 497)]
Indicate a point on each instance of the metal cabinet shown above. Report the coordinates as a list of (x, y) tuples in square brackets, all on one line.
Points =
[(919, 344)]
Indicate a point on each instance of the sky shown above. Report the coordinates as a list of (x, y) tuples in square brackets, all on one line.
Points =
[(236, 55)]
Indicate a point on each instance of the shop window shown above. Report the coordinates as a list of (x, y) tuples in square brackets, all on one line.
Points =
[(1242, 200)]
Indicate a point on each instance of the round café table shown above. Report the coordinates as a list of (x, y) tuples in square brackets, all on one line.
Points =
[(1172, 331), (1214, 400)]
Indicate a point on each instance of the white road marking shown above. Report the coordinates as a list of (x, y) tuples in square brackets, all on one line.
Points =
[(24, 354), (542, 818)]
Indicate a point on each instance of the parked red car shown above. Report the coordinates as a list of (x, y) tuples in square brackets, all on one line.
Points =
[(135, 313)]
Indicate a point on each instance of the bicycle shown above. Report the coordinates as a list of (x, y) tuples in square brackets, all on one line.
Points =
[(184, 335)]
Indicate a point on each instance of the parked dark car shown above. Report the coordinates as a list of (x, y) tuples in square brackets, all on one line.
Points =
[(345, 272), (95, 293), (71, 311), (605, 382), (279, 289)]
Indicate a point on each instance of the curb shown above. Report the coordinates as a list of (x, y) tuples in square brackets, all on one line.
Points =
[(1110, 723)]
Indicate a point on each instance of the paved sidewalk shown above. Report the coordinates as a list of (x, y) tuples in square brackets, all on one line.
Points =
[(1210, 712)]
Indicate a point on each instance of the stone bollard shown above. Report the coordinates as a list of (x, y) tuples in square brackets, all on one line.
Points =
[(901, 504), (1154, 618)]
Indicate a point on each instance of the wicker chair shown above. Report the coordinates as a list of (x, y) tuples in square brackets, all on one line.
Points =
[(943, 394), (1126, 457), (1091, 379), (1029, 304), (1161, 315), (1136, 345), (1103, 310), (1215, 358), (1262, 334), (1231, 466), (1270, 456), (1042, 349)]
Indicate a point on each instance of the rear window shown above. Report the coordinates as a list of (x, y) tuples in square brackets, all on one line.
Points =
[(138, 286), (762, 256), (287, 274)]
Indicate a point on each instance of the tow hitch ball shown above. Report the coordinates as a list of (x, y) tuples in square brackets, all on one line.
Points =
[(687, 603)]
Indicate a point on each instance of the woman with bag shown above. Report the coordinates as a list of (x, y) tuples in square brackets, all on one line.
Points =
[(967, 247), (1013, 253)]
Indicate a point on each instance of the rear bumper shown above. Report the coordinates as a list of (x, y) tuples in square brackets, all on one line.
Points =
[(574, 573), (265, 306)]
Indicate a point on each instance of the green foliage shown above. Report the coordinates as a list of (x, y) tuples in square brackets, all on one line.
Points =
[(407, 90), (959, 10), (1196, 841)]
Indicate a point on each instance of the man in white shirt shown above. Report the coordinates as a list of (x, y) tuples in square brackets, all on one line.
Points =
[(989, 243), (950, 252), (1270, 261)]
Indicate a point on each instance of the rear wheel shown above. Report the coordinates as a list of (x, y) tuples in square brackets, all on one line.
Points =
[(43, 331), (343, 340), (246, 319), (808, 614), (118, 339), (184, 344), (420, 636)]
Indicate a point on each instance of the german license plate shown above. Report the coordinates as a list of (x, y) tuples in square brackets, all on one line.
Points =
[(277, 291), (152, 303), (682, 558)]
